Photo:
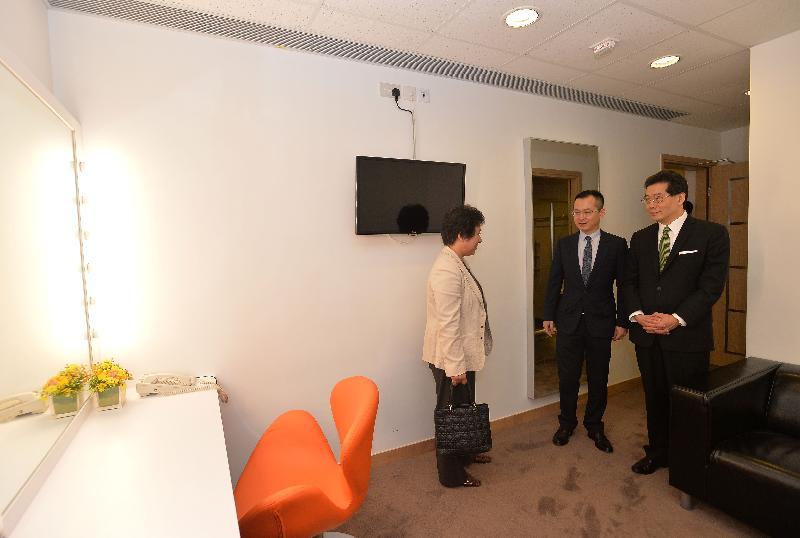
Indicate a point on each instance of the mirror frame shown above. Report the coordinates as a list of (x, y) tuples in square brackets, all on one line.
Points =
[(527, 144), (19, 503)]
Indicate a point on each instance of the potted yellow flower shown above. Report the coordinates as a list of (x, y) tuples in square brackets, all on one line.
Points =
[(65, 390), (108, 381)]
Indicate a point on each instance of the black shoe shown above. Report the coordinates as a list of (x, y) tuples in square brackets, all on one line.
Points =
[(561, 437), (646, 465), (601, 442), (471, 482)]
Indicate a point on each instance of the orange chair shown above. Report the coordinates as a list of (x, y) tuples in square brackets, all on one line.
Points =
[(292, 485)]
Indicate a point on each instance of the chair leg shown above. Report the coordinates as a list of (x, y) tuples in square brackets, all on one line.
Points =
[(687, 502)]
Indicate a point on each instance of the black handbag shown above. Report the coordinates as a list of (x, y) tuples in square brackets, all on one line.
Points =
[(462, 429)]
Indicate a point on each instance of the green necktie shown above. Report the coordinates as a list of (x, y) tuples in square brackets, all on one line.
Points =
[(663, 249)]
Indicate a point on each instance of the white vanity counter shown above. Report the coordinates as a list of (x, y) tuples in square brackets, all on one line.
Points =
[(157, 468)]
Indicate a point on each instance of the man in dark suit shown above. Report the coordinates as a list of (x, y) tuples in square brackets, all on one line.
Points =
[(675, 272), (586, 264)]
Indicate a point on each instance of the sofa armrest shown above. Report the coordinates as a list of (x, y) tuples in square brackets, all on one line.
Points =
[(728, 401)]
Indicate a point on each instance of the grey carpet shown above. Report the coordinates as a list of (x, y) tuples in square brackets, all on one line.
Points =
[(534, 488)]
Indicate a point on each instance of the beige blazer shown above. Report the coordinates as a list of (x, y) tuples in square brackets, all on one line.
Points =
[(457, 335)]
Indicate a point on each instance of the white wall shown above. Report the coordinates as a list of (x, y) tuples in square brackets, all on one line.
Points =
[(736, 144), (23, 34), (223, 176), (772, 290)]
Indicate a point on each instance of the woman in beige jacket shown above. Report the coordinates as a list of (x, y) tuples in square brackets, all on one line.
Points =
[(457, 335)]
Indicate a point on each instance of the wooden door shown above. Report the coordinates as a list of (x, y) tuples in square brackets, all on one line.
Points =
[(552, 194), (727, 205)]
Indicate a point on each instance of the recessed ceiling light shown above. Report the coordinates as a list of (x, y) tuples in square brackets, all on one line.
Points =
[(747, 93), (521, 16), (664, 61)]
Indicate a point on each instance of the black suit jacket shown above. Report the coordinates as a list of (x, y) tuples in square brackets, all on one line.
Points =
[(693, 279), (596, 299)]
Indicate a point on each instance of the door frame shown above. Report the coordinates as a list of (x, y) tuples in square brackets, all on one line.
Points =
[(703, 178)]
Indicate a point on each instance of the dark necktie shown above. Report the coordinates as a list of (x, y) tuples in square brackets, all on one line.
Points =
[(586, 267), (663, 249)]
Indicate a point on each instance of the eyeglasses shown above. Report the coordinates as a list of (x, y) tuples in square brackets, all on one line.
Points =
[(657, 199), (585, 212)]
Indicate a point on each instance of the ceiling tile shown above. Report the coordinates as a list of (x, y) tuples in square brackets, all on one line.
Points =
[(419, 14), (708, 82), (693, 47), (732, 95), (734, 69), (690, 11), (719, 120), (483, 22), (334, 23), (758, 22), (633, 28), (533, 68), (600, 84), (282, 13), (650, 95), (467, 53)]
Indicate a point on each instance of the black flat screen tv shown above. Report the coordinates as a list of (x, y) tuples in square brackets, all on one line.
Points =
[(402, 196)]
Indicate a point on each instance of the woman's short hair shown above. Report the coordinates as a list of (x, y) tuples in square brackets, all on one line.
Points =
[(461, 220)]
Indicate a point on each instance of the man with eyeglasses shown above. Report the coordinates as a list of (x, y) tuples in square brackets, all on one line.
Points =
[(579, 304), (675, 272)]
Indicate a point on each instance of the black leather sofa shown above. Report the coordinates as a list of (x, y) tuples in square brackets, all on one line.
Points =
[(735, 443)]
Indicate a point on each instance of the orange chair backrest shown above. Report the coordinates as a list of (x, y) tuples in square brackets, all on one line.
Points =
[(354, 403), (305, 508)]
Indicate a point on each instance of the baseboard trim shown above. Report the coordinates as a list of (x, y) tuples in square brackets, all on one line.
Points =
[(500, 424)]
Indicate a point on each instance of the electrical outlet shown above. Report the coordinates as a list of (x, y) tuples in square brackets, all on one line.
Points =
[(386, 89), (409, 93), (425, 95)]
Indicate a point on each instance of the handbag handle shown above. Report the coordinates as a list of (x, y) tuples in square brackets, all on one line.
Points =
[(469, 387)]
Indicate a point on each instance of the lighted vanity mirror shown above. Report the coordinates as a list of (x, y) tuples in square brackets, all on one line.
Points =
[(558, 171), (43, 321)]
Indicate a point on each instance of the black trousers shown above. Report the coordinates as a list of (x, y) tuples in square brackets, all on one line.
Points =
[(661, 369), (571, 352), (451, 468)]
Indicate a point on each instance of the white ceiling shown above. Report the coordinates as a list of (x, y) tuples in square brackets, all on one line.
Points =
[(712, 37)]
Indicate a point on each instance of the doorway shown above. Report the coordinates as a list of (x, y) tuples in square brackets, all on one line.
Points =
[(721, 194), (552, 194)]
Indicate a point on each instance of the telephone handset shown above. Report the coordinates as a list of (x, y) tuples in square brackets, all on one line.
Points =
[(177, 384), (24, 403)]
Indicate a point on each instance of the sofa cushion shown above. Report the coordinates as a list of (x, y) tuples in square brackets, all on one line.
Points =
[(761, 452), (755, 476), (783, 413)]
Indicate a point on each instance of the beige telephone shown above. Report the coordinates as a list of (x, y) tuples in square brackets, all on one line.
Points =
[(177, 384), (24, 403)]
